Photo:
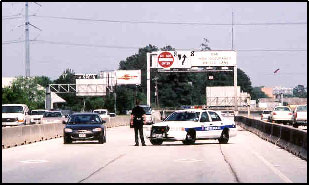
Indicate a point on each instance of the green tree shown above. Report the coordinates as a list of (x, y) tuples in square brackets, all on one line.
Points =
[(257, 93), (25, 91), (299, 91)]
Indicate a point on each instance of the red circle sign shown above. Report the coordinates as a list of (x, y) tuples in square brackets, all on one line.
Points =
[(165, 59)]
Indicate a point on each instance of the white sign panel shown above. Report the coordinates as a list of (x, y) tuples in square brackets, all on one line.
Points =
[(188, 59), (90, 87), (126, 77)]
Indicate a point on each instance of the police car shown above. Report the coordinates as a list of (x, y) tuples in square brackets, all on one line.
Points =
[(190, 125)]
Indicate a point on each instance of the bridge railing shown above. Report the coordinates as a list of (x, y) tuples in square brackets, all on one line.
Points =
[(291, 139)]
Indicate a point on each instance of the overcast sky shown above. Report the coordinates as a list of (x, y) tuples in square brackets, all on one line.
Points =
[(267, 36)]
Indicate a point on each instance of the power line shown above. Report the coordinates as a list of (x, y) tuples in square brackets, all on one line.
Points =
[(134, 47), (85, 45), (172, 23)]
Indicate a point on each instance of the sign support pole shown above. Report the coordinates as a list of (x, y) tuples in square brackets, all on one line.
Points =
[(148, 79), (235, 89)]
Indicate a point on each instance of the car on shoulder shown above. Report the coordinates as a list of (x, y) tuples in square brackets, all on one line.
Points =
[(227, 113), (281, 114), (190, 125), (36, 116), (15, 114), (265, 115), (84, 126), (104, 114), (300, 116), (53, 117), (149, 115)]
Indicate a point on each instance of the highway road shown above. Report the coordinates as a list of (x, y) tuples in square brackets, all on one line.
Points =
[(246, 158)]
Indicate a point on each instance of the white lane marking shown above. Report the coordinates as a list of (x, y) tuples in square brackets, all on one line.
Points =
[(34, 161), (275, 170), (188, 160)]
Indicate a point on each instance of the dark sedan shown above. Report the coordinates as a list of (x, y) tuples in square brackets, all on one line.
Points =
[(85, 126)]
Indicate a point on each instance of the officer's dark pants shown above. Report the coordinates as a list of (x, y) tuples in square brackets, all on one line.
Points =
[(139, 128)]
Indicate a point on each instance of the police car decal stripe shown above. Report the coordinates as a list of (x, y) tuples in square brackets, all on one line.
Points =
[(209, 128)]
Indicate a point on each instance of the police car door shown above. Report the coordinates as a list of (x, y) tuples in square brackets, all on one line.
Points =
[(203, 131), (216, 124)]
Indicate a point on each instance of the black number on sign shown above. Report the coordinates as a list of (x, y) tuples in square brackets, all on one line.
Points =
[(184, 58), (192, 53), (179, 57), (175, 53)]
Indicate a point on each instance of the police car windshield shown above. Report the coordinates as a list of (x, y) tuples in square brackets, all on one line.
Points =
[(183, 116)]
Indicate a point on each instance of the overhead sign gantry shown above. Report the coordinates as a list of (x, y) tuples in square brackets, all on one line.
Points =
[(192, 61)]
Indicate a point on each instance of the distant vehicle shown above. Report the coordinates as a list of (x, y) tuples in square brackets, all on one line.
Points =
[(53, 117), (104, 114), (227, 113), (149, 116), (265, 115), (281, 114), (85, 126), (15, 114), (300, 116), (111, 114), (36, 116), (190, 125)]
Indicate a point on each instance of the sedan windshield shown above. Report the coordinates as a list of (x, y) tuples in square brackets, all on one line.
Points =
[(183, 116), (84, 119), (12, 109)]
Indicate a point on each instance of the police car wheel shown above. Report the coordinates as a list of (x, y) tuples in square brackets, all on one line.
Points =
[(224, 137), (190, 138), (156, 141)]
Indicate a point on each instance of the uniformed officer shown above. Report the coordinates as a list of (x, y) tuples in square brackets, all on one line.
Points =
[(138, 118)]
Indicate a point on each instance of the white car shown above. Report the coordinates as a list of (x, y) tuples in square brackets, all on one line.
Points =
[(149, 116), (36, 116), (281, 114), (104, 114), (191, 125), (300, 116), (15, 114), (265, 114), (53, 117)]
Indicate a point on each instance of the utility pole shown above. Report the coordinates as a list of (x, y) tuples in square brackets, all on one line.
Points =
[(27, 45), (232, 30), (156, 92)]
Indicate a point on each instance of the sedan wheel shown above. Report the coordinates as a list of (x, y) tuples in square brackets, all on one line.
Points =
[(101, 140), (67, 140)]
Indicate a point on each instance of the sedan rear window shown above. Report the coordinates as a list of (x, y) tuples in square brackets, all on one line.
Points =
[(302, 109), (282, 109), (52, 114)]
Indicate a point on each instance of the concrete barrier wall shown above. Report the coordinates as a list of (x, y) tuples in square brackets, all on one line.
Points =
[(20, 135), (291, 139)]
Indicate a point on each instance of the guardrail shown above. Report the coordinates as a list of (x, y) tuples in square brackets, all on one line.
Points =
[(291, 139), (20, 135)]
